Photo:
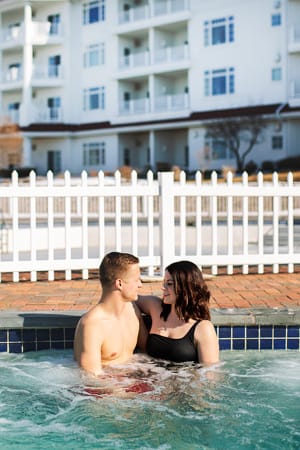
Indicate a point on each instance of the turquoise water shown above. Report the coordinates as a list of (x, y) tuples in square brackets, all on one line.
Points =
[(250, 401)]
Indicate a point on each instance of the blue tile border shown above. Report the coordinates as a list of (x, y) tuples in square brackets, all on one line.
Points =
[(236, 329), (19, 340), (258, 337)]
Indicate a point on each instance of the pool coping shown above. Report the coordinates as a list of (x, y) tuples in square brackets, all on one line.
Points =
[(220, 316)]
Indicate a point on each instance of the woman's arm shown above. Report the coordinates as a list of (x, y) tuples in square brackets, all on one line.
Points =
[(207, 343), (149, 304)]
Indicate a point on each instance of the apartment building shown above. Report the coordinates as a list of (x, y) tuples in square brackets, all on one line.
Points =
[(98, 84)]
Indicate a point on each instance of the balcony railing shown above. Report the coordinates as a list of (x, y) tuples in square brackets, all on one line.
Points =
[(134, 14), (12, 35), (14, 115), (41, 32), (137, 106), (159, 8), (171, 54), (48, 115), (161, 56), (50, 72), (13, 74), (133, 60), (45, 31), (295, 89), (294, 39), (162, 7), (172, 102)]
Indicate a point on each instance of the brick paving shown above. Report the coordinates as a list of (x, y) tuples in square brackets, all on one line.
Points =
[(227, 291)]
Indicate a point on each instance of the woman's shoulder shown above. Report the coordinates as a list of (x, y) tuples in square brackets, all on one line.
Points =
[(204, 326)]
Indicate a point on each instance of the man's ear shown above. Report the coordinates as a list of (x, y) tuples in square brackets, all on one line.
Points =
[(118, 283)]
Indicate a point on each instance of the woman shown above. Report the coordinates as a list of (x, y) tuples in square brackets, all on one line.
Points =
[(181, 329)]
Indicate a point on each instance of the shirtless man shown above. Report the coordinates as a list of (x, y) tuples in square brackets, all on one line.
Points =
[(109, 332)]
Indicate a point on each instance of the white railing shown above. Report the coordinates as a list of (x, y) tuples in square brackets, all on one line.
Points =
[(68, 224), (171, 54), (52, 114), (138, 59), (171, 102), (137, 106), (169, 6), (47, 73)]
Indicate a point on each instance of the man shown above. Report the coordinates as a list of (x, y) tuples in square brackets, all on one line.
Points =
[(109, 332)]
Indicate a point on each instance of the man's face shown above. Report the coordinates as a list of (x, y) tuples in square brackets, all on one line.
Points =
[(131, 282)]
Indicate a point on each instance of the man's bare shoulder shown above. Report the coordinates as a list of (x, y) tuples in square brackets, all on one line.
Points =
[(94, 316)]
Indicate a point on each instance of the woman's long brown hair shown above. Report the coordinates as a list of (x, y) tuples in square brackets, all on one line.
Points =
[(192, 294)]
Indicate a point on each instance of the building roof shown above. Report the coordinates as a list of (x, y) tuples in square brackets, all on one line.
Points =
[(201, 116)]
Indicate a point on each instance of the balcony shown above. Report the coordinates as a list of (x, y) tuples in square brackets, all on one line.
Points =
[(41, 33), (46, 33), (12, 37), (48, 115), (294, 40), (161, 56), (12, 79), (13, 115), (137, 106), (294, 98), (174, 102), (160, 8), (134, 14), (134, 60), (171, 54), (163, 103), (47, 76)]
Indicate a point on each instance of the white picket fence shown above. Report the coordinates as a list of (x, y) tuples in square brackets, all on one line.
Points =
[(68, 224)]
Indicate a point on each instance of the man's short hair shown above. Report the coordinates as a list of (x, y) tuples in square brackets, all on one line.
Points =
[(114, 265)]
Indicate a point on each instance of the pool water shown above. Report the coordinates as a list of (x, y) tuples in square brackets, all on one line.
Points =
[(251, 400)]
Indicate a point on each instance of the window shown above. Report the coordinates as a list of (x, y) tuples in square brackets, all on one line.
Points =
[(54, 20), (53, 66), (219, 149), (94, 98), (94, 154), (126, 157), (219, 82), (94, 55), (93, 11), (276, 74), (14, 72), (276, 20), (219, 31), (54, 161), (13, 111), (277, 142), (54, 104), (186, 156)]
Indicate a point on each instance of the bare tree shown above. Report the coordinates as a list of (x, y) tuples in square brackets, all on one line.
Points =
[(10, 143), (241, 134)]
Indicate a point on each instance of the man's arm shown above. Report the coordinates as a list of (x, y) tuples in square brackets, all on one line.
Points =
[(89, 357)]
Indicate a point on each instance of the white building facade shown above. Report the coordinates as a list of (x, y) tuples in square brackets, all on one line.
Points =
[(98, 84)]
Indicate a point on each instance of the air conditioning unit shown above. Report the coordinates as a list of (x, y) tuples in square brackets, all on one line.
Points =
[(277, 57), (277, 4)]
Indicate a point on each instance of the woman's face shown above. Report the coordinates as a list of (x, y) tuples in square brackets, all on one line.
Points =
[(169, 296)]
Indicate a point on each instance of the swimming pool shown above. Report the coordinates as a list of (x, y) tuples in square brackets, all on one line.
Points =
[(250, 400)]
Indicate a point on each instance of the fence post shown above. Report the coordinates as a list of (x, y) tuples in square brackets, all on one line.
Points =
[(166, 219)]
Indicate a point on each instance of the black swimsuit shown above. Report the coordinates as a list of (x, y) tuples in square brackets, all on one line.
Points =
[(177, 350)]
